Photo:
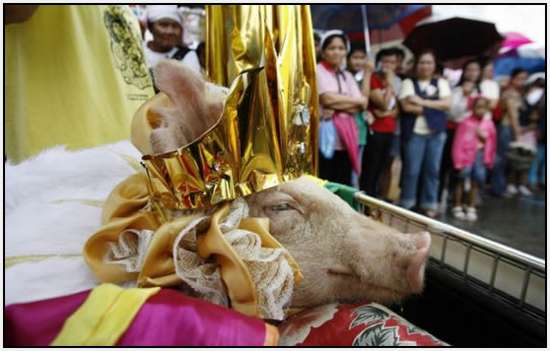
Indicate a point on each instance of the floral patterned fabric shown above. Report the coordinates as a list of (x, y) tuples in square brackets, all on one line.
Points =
[(352, 325)]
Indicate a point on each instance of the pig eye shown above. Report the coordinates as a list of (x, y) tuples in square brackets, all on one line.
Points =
[(281, 207)]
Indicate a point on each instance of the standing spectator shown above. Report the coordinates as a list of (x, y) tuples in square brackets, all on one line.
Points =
[(339, 98), (165, 24), (537, 173), (357, 63), (357, 59), (488, 86), (383, 106), (75, 75), (317, 41), (508, 129), (473, 151), (467, 89), (399, 69), (424, 100), (537, 99)]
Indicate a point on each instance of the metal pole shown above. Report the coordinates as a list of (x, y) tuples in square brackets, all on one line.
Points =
[(366, 29)]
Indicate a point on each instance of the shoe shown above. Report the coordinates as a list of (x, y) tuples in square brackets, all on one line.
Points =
[(511, 190), (458, 213), (523, 190), (430, 213), (471, 214)]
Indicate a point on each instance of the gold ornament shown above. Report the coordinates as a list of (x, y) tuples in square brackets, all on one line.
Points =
[(267, 133)]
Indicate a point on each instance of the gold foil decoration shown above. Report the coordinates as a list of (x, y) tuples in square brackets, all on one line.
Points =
[(267, 133)]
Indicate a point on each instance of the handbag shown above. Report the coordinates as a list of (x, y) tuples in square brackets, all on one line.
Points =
[(327, 138), (521, 153)]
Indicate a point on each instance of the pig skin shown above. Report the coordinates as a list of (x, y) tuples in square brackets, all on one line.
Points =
[(344, 256)]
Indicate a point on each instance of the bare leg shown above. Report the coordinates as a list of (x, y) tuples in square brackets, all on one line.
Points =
[(457, 195), (471, 199), (523, 178)]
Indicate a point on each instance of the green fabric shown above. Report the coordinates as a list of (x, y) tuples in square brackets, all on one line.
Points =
[(345, 192), (362, 127), (360, 121)]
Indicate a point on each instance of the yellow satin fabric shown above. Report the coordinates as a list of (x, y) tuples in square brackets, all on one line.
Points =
[(126, 208), (74, 76), (104, 316)]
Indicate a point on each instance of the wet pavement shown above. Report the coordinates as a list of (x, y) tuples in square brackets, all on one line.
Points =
[(518, 222)]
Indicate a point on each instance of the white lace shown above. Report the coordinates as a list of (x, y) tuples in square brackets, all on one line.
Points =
[(269, 268), (202, 276), (130, 249)]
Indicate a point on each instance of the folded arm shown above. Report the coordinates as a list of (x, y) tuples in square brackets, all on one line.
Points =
[(344, 103), (409, 106)]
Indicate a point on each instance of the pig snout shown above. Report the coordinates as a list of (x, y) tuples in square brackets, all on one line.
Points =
[(390, 266), (417, 262)]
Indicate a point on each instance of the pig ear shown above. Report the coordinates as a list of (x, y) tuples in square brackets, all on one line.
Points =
[(163, 137), (184, 86)]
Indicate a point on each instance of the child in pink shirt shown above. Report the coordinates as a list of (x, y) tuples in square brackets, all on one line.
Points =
[(474, 150)]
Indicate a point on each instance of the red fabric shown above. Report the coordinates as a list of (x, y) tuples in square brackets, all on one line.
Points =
[(168, 318), (376, 82), (408, 23), (497, 113), (352, 325), (328, 66), (384, 124), (349, 136), (38, 323)]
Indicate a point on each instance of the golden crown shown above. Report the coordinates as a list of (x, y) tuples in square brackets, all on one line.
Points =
[(267, 133)]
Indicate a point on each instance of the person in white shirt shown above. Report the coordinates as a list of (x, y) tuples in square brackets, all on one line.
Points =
[(488, 86), (165, 24), (424, 99)]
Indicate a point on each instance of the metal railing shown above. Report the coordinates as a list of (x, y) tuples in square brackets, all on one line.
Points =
[(498, 269)]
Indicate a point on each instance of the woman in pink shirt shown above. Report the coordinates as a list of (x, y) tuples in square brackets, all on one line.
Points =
[(339, 98), (474, 149)]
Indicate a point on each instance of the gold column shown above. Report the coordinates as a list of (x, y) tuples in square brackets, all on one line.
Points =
[(280, 39)]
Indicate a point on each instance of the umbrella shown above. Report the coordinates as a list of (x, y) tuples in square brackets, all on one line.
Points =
[(358, 20), (454, 38), (505, 65), (349, 17), (518, 51), (512, 41)]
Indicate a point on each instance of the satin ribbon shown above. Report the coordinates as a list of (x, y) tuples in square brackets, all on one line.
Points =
[(104, 316), (127, 208)]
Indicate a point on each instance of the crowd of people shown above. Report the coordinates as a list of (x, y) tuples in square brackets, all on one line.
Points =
[(452, 142), (396, 131)]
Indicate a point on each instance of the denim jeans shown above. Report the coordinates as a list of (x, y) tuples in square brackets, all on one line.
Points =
[(422, 159), (498, 178), (537, 173), (475, 172)]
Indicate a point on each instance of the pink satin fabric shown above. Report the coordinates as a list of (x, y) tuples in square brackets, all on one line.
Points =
[(38, 323), (349, 136), (168, 318)]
